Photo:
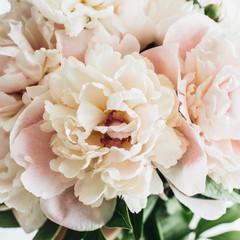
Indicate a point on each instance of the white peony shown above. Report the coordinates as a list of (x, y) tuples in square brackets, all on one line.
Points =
[(113, 119)]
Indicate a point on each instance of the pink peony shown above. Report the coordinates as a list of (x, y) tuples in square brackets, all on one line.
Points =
[(210, 92)]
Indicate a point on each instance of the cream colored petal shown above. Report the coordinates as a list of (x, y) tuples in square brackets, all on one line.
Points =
[(90, 195), (169, 148), (89, 116), (95, 94)]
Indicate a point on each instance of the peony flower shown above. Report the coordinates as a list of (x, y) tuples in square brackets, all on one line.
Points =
[(23, 60), (103, 131), (77, 15), (148, 20), (23, 64), (210, 94)]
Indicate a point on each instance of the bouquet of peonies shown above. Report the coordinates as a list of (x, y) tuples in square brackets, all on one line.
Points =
[(119, 119)]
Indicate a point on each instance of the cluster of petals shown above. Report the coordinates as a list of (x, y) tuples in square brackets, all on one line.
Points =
[(210, 88), (77, 15), (24, 35), (108, 124), (209, 92), (90, 119)]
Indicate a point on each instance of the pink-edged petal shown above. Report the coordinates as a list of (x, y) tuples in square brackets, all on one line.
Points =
[(207, 209), (165, 61), (73, 46), (32, 149), (31, 115), (188, 32), (189, 174), (67, 210)]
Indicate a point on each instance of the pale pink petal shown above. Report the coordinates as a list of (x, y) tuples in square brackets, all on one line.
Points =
[(67, 210), (189, 174), (182, 88), (207, 209), (128, 45), (73, 46), (32, 147), (188, 32), (165, 61), (13, 82), (31, 115), (30, 144)]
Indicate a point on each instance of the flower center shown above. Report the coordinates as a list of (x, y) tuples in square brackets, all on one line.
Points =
[(117, 132)]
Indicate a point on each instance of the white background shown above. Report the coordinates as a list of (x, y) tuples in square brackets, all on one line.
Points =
[(15, 234)]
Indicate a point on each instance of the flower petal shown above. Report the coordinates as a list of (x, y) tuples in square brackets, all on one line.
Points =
[(73, 46), (161, 57), (32, 218), (65, 209), (207, 209), (33, 146), (32, 114), (189, 174), (193, 28)]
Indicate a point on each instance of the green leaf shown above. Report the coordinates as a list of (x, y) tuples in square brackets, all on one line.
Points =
[(48, 231), (137, 223), (233, 235), (173, 206), (98, 235), (152, 228), (7, 219), (231, 215), (216, 191), (74, 235), (175, 226), (120, 217), (152, 200)]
